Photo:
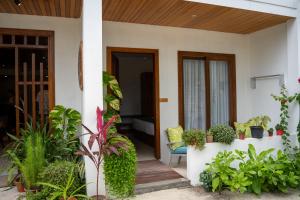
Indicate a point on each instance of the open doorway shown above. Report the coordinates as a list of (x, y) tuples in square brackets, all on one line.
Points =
[(137, 73)]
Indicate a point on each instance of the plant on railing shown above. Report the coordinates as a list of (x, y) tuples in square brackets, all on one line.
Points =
[(112, 98), (242, 129), (106, 144), (223, 133), (195, 138), (284, 99)]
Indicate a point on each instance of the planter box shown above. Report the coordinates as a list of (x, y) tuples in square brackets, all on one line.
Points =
[(197, 159)]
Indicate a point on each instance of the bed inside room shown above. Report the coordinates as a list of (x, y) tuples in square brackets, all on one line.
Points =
[(134, 72)]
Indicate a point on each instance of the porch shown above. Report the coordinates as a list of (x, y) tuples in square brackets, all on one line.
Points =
[(262, 43)]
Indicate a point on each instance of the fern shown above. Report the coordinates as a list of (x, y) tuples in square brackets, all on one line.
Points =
[(34, 159)]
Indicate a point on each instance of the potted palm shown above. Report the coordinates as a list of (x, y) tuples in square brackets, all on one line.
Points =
[(279, 129), (270, 131), (258, 125), (209, 137), (242, 129)]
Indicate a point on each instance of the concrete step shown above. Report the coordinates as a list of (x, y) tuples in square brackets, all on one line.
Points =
[(162, 185)]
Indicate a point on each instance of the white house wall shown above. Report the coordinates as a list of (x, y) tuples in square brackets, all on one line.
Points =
[(268, 56), (67, 37), (171, 40)]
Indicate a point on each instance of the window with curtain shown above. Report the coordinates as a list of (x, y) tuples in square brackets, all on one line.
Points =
[(207, 90), (194, 94)]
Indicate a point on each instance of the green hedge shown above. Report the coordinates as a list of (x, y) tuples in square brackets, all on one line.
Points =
[(120, 172)]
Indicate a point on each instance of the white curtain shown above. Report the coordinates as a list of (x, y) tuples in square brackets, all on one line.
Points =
[(194, 94), (219, 92)]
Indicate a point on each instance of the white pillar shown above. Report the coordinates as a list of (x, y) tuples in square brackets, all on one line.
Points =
[(293, 68), (92, 79)]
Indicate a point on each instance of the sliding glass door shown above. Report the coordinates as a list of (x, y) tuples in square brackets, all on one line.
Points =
[(206, 90)]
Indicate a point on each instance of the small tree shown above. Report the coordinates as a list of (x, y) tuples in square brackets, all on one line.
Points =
[(106, 144)]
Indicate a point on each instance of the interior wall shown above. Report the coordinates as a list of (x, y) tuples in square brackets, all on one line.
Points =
[(67, 38), (169, 41), (130, 70), (268, 56)]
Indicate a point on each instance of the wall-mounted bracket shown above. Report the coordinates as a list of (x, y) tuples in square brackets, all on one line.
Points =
[(280, 77)]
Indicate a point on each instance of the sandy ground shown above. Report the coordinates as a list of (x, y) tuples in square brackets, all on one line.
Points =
[(186, 194)]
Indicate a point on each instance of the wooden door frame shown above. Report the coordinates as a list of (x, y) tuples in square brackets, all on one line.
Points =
[(49, 47), (230, 58), (155, 53)]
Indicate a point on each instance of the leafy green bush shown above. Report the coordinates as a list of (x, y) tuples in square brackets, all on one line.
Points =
[(34, 161), (256, 172), (206, 180), (223, 133), (58, 173), (194, 137), (120, 172)]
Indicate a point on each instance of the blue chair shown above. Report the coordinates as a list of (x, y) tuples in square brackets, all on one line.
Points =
[(178, 152)]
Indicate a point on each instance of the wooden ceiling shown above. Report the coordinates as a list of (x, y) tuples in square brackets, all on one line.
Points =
[(58, 8), (176, 13), (179, 13)]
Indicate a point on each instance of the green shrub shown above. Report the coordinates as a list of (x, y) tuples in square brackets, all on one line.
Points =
[(206, 180), (34, 160), (223, 133), (57, 174), (257, 173), (120, 172), (194, 138)]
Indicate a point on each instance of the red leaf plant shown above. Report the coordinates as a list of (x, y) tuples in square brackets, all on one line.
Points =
[(107, 143)]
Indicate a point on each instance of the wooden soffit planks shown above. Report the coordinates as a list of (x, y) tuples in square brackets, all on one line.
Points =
[(180, 13), (56, 8)]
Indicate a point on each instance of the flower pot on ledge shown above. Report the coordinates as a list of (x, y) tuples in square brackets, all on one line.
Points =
[(279, 132), (241, 136), (209, 139), (257, 131)]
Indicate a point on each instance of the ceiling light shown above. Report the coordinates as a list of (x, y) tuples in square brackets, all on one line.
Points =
[(18, 2), (5, 76), (194, 16)]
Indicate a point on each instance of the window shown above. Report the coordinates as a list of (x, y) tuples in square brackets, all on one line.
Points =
[(207, 93)]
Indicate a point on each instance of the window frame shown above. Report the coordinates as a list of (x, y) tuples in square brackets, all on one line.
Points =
[(230, 58)]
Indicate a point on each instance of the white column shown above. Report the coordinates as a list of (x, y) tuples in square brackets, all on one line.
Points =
[(92, 79), (293, 68)]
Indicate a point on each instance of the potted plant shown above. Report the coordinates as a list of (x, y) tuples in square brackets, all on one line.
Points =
[(258, 125), (195, 138), (19, 184), (242, 129), (223, 133), (209, 137), (279, 129), (270, 131)]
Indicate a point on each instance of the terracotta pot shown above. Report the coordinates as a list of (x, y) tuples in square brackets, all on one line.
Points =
[(241, 136), (19, 184), (70, 198), (209, 139), (279, 132), (270, 134)]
